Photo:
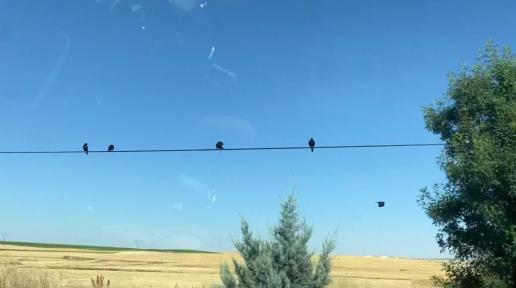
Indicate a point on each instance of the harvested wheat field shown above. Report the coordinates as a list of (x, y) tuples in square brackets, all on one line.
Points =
[(74, 267)]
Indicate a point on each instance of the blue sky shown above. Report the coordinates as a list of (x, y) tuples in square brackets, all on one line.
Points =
[(143, 74)]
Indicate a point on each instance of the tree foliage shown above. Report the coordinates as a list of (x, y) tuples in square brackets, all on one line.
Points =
[(283, 262), (475, 209)]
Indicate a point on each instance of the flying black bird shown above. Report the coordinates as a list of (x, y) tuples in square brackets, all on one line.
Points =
[(111, 148), (381, 204), (85, 148), (219, 145), (311, 143)]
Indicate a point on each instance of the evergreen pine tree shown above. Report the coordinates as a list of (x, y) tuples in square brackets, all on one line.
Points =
[(282, 262)]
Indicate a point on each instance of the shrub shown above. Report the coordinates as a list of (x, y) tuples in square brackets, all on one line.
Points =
[(99, 282)]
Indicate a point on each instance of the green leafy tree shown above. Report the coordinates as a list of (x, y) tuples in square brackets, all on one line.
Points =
[(475, 209), (283, 262)]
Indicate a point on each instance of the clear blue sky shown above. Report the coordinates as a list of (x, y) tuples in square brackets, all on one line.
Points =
[(139, 74)]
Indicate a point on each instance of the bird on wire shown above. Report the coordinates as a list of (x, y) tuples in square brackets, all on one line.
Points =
[(111, 148), (219, 145), (85, 148), (311, 143)]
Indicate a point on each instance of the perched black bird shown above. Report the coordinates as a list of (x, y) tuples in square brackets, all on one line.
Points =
[(85, 148), (219, 145), (381, 204), (311, 143), (111, 148)]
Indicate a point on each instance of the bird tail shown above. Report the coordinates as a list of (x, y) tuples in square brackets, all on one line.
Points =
[(312, 148)]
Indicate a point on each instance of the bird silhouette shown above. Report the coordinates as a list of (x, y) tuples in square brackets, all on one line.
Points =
[(311, 143), (219, 145), (381, 204), (111, 148), (85, 148)]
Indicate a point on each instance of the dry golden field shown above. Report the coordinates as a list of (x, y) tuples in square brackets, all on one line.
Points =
[(162, 269)]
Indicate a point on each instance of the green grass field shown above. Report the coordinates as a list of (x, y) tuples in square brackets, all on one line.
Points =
[(96, 248)]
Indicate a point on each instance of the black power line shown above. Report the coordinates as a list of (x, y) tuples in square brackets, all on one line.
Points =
[(225, 149)]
